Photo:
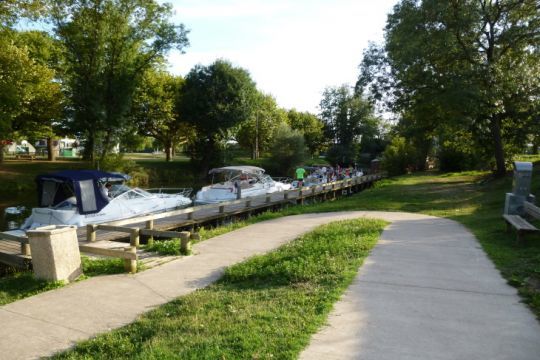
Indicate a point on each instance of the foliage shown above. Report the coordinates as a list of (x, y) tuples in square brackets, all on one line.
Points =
[(287, 151), (399, 157), (164, 247), (460, 66), (348, 119), (118, 163), (215, 99), (285, 296), (311, 126), (155, 110), (109, 44), (30, 99), (255, 133)]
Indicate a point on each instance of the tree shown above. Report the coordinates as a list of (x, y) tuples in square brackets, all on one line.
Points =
[(29, 98), (311, 126), (464, 66), (345, 117), (155, 110), (287, 150), (256, 132), (109, 45), (215, 99)]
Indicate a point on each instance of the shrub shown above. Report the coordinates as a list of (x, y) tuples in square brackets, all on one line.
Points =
[(287, 150), (399, 157), (117, 163)]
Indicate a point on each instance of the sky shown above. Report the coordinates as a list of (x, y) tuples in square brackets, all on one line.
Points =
[(293, 49)]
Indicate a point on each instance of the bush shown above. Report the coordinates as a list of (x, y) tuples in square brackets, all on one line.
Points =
[(399, 157), (117, 163), (287, 150)]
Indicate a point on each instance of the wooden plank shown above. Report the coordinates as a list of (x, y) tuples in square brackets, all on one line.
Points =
[(118, 253), (531, 210), (20, 239), (160, 233), (117, 228), (519, 223), (13, 260)]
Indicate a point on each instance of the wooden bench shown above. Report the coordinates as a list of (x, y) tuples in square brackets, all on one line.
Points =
[(30, 157), (522, 225)]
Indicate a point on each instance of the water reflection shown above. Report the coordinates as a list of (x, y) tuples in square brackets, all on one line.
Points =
[(11, 221)]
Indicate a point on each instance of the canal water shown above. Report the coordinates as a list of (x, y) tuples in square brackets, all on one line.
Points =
[(11, 221)]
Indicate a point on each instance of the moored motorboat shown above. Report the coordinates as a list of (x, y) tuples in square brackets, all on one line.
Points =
[(236, 182), (80, 197)]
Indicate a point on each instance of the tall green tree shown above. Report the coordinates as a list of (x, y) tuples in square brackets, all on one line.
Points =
[(466, 65), (215, 99), (155, 110), (311, 126), (255, 133), (345, 116), (29, 97), (109, 44)]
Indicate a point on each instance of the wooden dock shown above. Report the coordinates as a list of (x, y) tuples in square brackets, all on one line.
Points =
[(110, 239)]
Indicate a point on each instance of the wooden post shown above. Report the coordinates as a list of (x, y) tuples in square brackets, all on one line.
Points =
[(185, 243), (301, 197), (130, 265), (90, 233), (150, 226), (286, 195), (134, 238), (248, 203), (190, 215), (25, 249), (221, 209), (268, 199)]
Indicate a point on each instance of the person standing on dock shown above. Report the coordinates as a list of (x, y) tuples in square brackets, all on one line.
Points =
[(300, 176)]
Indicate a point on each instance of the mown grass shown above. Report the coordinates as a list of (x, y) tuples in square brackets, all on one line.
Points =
[(21, 284), (266, 307)]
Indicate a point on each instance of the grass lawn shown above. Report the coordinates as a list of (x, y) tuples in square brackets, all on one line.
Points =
[(21, 284), (284, 296)]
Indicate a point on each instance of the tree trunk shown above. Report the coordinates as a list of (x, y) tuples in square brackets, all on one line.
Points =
[(51, 156), (498, 146), (106, 145), (1, 151), (168, 150)]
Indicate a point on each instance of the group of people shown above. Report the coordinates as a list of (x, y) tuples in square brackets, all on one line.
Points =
[(324, 174)]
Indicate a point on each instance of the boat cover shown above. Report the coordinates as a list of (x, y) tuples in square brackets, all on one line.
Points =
[(85, 185)]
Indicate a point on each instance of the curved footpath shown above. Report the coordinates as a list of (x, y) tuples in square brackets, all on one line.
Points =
[(427, 291)]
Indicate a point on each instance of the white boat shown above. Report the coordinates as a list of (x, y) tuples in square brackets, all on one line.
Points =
[(77, 197), (238, 182)]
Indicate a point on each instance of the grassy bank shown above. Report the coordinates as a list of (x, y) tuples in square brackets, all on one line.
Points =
[(284, 296), (21, 284)]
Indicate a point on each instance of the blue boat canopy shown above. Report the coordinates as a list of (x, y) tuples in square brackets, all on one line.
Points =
[(84, 185)]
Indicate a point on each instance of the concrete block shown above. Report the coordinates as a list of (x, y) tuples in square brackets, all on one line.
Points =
[(55, 253)]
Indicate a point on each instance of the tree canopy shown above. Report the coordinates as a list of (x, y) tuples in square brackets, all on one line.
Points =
[(215, 99), (460, 67), (108, 46)]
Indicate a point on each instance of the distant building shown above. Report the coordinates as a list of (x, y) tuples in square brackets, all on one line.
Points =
[(19, 147), (65, 147)]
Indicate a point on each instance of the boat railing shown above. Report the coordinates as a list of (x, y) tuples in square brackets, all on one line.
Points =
[(286, 180), (172, 191)]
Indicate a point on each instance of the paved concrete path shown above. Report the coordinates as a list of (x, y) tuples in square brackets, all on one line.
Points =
[(427, 292)]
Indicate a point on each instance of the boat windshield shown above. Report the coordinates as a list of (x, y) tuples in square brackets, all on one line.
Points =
[(125, 192)]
